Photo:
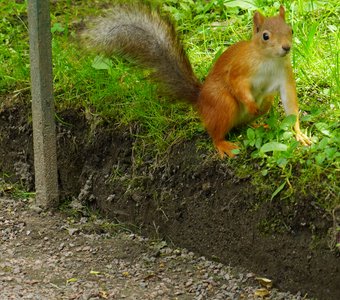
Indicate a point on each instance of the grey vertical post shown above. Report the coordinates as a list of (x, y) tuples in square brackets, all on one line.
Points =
[(44, 136)]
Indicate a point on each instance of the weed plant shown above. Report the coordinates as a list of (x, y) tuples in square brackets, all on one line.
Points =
[(116, 91)]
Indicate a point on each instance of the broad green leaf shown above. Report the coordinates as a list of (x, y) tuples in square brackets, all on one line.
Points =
[(320, 158), (323, 143), (288, 122), (250, 4), (264, 172), (251, 134), (185, 6), (323, 128), (274, 146), (101, 63), (258, 143), (282, 162), (57, 27), (287, 135), (235, 151), (331, 152)]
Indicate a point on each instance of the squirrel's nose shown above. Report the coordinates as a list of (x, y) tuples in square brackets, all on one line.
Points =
[(286, 48)]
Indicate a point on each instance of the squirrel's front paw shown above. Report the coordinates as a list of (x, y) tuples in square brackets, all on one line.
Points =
[(302, 138)]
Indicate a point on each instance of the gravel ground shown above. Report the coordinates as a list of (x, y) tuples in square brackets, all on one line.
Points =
[(54, 256)]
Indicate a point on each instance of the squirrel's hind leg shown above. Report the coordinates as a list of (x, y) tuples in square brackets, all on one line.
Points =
[(225, 148), (219, 116)]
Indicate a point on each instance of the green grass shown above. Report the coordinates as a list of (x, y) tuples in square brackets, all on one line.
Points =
[(17, 190), (115, 91)]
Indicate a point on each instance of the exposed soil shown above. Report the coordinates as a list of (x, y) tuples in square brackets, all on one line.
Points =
[(49, 255), (186, 197)]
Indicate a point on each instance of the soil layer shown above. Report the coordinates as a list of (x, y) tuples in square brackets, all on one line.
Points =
[(186, 197)]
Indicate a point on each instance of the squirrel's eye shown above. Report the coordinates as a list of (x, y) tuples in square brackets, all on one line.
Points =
[(265, 36)]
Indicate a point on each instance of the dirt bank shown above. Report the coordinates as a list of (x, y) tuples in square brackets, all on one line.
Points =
[(190, 199)]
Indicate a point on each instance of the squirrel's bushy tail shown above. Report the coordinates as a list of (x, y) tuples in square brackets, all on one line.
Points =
[(139, 33)]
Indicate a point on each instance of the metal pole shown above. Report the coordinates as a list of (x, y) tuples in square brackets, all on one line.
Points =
[(44, 136)]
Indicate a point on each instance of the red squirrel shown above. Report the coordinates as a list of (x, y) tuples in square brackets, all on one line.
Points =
[(240, 86)]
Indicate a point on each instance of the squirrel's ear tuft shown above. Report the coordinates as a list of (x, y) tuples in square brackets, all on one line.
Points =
[(258, 21), (282, 12)]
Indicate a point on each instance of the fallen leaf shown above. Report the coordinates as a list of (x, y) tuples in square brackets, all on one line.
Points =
[(126, 274), (31, 282), (72, 231), (72, 280), (94, 273), (149, 276), (262, 293), (265, 282), (103, 295)]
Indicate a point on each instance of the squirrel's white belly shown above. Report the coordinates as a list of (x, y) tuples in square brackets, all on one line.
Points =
[(267, 80)]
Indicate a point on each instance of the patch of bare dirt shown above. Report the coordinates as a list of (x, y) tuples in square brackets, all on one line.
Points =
[(188, 199), (52, 256)]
